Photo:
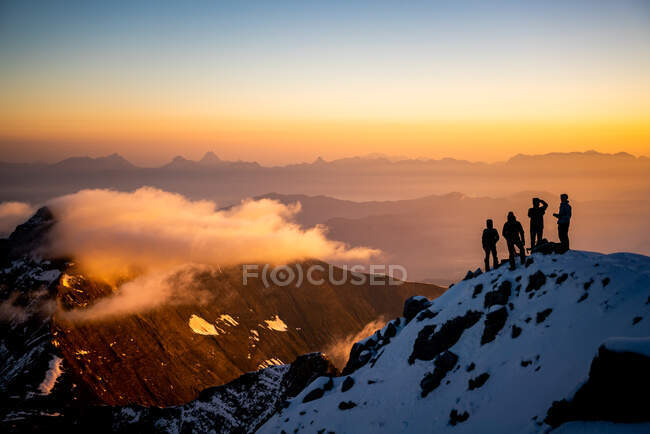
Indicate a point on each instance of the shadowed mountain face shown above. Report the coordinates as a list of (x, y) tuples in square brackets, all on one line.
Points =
[(166, 356), (144, 358), (588, 175)]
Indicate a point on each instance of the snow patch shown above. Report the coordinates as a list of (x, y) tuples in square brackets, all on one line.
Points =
[(229, 320), (276, 324), (201, 326), (270, 362)]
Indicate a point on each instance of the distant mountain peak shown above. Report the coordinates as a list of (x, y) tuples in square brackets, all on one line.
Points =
[(210, 158), (112, 161), (556, 155)]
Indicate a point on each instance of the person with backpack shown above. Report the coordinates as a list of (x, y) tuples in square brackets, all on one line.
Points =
[(489, 239), (513, 232)]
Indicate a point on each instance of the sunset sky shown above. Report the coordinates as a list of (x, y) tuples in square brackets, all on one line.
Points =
[(289, 81)]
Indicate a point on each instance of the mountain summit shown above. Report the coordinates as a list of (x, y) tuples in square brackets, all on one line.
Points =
[(560, 341), (210, 159)]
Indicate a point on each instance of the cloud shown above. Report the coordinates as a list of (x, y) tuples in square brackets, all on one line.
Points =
[(181, 285), (12, 214), (148, 236), (339, 352)]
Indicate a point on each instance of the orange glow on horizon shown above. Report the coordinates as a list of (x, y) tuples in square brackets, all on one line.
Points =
[(278, 141)]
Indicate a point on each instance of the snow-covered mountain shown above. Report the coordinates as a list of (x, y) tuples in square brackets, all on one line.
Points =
[(567, 333)]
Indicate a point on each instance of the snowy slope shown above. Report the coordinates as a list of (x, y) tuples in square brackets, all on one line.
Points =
[(239, 406), (558, 311)]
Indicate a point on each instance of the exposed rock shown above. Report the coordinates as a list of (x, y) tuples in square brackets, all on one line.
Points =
[(516, 331), (561, 279), (541, 316), (500, 296), (329, 385), (430, 343), (494, 322), (583, 297), (31, 235), (546, 247), (347, 384), (536, 281), (391, 330), (368, 351), (456, 418), (315, 394), (444, 363), (475, 383), (426, 314), (606, 281), (346, 405), (471, 367), (304, 370), (636, 320), (414, 305), (614, 391), (477, 290)]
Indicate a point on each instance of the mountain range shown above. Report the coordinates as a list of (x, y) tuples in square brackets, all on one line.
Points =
[(587, 175)]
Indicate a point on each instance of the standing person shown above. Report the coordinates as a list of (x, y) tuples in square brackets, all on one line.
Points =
[(563, 221), (536, 214), (490, 238), (513, 232)]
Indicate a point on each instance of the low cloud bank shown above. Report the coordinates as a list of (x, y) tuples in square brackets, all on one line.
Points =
[(149, 235), (339, 352), (12, 214)]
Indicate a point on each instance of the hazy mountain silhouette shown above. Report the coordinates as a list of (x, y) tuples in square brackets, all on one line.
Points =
[(589, 175), (110, 162)]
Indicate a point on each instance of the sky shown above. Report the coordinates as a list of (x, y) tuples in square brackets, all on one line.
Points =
[(280, 82)]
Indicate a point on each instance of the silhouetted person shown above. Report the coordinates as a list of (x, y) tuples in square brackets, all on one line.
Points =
[(513, 232), (490, 238), (536, 214), (563, 221)]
